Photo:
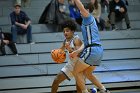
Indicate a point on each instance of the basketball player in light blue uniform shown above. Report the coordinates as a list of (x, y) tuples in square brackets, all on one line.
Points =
[(91, 50)]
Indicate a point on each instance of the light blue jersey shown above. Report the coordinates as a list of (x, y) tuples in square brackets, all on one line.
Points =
[(90, 31), (93, 52)]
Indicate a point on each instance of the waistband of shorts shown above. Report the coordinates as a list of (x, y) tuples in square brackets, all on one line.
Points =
[(92, 45)]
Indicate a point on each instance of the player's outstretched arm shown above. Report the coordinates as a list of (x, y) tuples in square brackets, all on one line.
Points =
[(80, 6)]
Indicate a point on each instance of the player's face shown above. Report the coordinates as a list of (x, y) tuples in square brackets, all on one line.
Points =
[(117, 1), (68, 33), (17, 9)]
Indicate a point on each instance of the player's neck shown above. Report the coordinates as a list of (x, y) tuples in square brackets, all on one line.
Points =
[(69, 39)]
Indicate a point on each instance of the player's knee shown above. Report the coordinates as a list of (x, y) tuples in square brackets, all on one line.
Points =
[(87, 74)]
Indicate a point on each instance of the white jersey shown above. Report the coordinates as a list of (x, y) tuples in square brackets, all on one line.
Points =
[(72, 42), (71, 62)]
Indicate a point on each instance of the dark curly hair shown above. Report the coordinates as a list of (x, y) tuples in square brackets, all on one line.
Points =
[(69, 24)]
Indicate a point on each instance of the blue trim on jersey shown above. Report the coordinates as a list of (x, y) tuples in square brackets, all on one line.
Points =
[(87, 52), (90, 34), (90, 31), (89, 40), (86, 36), (91, 54)]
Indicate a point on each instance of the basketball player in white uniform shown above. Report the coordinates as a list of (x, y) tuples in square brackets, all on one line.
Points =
[(72, 42)]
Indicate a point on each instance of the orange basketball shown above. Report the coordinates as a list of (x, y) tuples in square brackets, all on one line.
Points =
[(58, 55)]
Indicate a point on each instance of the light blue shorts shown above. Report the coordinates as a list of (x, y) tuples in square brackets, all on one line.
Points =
[(92, 55)]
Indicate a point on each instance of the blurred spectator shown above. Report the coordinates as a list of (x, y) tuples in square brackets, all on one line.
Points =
[(5, 39), (125, 2), (104, 5), (74, 12), (60, 12), (23, 2), (20, 24), (18, 2), (118, 11), (54, 13), (62, 7), (97, 14)]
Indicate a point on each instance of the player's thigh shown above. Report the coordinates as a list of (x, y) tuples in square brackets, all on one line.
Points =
[(89, 71), (60, 77), (80, 66)]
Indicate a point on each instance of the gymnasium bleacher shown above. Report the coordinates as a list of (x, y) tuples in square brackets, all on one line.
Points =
[(33, 70)]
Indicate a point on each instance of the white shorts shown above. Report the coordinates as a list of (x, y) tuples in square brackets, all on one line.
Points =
[(68, 69)]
